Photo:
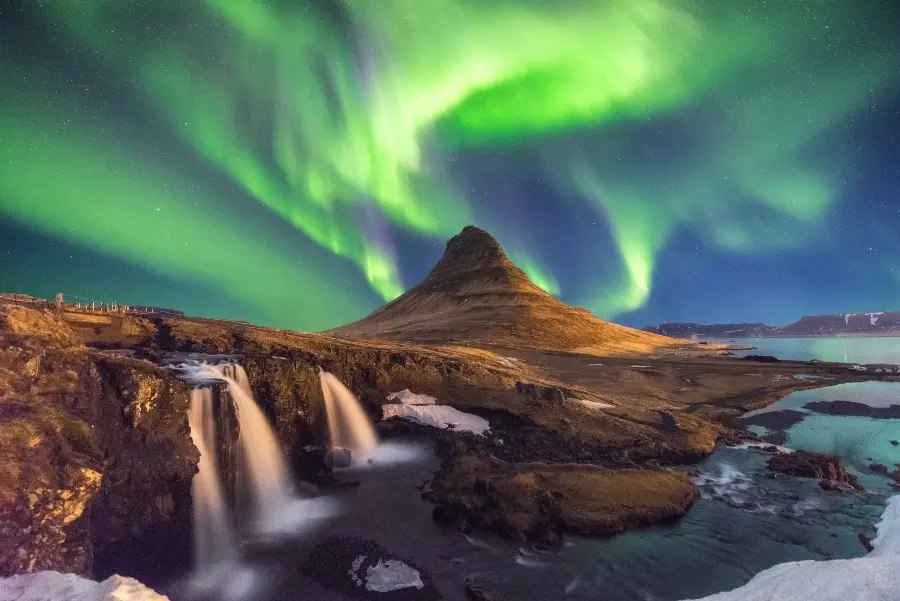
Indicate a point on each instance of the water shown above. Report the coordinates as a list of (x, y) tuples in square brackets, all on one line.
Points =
[(348, 425), (837, 349), (263, 469), (213, 536), (746, 521)]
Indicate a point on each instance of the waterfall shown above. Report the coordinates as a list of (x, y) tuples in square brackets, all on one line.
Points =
[(263, 466), (213, 538), (348, 425)]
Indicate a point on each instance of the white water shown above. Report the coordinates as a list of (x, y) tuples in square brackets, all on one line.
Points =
[(213, 536), (348, 425), (263, 467)]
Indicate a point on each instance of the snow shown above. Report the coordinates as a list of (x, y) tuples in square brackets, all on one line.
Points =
[(55, 586), (593, 404), (875, 577), (873, 317), (391, 575), (437, 416), (408, 397)]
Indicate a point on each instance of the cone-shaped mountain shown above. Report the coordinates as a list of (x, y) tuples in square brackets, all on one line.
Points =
[(476, 295)]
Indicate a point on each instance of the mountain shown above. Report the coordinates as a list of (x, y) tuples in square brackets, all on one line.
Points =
[(476, 295), (715, 330), (884, 323)]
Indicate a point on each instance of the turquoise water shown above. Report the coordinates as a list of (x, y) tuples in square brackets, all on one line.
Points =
[(839, 349)]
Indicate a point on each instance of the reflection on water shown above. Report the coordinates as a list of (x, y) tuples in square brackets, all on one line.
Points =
[(839, 349)]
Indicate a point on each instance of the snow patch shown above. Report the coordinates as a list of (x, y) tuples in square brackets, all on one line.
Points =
[(875, 577), (391, 575), (437, 416), (407, 397), (593, 404), (47, 585)]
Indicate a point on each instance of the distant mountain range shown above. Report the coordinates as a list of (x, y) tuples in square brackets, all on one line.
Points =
[(885, 323)]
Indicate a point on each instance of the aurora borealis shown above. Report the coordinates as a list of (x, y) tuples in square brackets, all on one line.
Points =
[(297, 163)]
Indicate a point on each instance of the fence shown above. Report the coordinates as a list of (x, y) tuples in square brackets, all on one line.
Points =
[(70, 302)]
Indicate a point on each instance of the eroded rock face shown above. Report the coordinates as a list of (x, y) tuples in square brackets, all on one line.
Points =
[(95, 452)]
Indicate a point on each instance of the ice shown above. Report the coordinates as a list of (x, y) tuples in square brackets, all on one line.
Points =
[(437, 416), (44, 586), (875, 577), (391, 575), (407, 397)]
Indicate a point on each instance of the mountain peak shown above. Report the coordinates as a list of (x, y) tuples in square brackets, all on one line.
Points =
[(474, 257), (473, 243), (476, 296)]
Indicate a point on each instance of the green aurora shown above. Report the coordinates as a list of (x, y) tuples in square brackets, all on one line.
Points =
[(351, 120)]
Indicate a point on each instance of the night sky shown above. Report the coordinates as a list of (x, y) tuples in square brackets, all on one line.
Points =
[(298, 163)]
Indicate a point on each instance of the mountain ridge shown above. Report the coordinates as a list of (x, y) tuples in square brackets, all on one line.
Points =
[(877, 323)]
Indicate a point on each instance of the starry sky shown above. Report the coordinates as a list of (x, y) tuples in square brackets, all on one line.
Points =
[(297, 163)]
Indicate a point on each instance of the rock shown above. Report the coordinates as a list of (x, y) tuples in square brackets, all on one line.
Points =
[(895, 442), (363, 568), (538, 502), (827, 469), (866, 542), (850, 408), (775, 420), (762, 358), (879, 468), (476, 590), (338, 458)]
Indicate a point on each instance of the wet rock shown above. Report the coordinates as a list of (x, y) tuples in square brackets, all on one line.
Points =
[(363, 568), (338, 458), (895, 442), (827, 469), (866, 542), (775, 420), (850, 408), (762, 358), (477, 590)]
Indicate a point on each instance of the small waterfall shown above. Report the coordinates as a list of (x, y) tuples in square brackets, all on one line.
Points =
[(264, 469), (213, 538), (348, 425)]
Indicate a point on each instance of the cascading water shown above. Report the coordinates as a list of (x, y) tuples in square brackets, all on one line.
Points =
[(213, 537), (348, 425), (266, 474)]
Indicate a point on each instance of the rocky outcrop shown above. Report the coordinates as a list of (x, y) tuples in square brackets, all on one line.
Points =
[(540, 501), (844, 408), (827, 469), (94, 453)]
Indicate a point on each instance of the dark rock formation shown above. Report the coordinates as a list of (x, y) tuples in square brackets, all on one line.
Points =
[(775, 420), (827, 469), (851, 408), (761, 358), (341, 564)]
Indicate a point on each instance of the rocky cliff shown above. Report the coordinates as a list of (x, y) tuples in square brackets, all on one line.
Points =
[(95, 454)]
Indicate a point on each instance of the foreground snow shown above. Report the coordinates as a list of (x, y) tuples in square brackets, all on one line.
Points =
[(437, 416), (408, 397), (46, 586), (875, 577)]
